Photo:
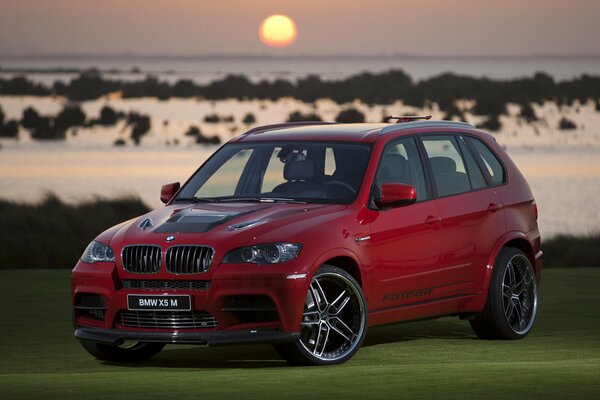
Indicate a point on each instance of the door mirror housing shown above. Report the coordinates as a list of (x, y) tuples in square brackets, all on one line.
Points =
[(168, 191), (395, 195)]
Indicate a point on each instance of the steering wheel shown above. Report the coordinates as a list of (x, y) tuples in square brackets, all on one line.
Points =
[(344, 184)]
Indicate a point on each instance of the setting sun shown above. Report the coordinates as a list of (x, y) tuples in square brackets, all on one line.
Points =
[(278, 31)]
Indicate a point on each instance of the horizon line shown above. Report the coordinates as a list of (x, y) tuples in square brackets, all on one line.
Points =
[(314, 56)]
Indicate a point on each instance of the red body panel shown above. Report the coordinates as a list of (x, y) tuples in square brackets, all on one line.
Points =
[(426, 259)]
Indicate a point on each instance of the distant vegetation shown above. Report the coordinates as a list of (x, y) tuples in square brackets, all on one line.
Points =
[(57, 233), (8, 129), (298, 116), (490, 96), (566, 124), (350, 115), (566, 251), (216, 118), (200, 138)]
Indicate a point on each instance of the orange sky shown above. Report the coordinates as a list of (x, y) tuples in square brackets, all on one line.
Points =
[(325, 27)]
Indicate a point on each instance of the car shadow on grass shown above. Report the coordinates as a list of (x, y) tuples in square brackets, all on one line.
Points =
[(264, 356), (446, 329)]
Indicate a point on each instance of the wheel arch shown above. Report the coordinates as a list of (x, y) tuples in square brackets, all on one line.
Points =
[(344, 259), (514, 239), (349, 265)]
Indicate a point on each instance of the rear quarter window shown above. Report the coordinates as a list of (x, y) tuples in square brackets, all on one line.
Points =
[(491, 163)]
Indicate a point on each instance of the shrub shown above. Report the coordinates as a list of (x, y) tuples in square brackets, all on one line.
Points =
[(208, 140), (492, 123), (59, 231), (572, 251), (528, 113), (140, 126), (108, 116), (566, 124), (69, 117), (350, 115), (10, 129), (212, 119), (249, 119), (297, 116), (193, 131), (30, 118)]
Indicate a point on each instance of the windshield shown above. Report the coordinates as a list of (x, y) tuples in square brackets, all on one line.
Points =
[(315, 172)]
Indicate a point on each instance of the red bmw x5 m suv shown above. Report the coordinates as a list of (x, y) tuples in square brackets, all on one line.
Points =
[(303, 235)]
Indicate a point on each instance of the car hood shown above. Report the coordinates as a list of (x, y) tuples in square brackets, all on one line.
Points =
[(223, 221)]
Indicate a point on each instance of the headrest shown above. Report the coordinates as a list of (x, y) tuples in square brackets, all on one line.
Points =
[(442, 165), (302, 170), (394, 168)]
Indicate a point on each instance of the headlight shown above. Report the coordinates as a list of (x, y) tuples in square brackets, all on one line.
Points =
[(97, 252), (264, 254)]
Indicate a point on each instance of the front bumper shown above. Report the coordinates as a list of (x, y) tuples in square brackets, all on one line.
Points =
[(233, 282), (211, 338)]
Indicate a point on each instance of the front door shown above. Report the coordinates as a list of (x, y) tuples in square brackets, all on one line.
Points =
[(407, 245)]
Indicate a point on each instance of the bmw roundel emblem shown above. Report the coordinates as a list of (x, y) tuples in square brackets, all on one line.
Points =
[(170, 238)]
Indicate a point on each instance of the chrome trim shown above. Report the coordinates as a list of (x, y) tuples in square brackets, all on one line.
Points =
[(296, 276), (142, 251), (248, 224), (362, 239), (146, 224), (178, 257)]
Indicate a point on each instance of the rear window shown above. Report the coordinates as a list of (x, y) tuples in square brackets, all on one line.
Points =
[(491, 164)]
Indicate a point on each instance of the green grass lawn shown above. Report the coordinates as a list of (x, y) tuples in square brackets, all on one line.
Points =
[(442, 359)]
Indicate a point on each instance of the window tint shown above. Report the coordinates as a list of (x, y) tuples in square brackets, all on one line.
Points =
[(400, 163), (274, 172), (448, 168), (226, 178), (475, 174), (489, 159)]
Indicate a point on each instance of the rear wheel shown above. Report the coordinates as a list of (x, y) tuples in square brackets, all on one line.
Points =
[(137, 351), (512, 299), (334, 322)]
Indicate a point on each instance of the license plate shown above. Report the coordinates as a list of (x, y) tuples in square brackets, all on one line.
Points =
[(158, 303)]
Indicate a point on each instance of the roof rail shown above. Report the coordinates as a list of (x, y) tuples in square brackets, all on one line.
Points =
[(406, 118), (264, 128), (423, 124)]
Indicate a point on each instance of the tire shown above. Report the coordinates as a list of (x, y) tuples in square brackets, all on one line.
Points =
[(334, 323), (136, 352), (511, 305)]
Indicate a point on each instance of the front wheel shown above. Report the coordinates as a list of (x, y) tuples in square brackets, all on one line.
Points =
[(137, 351), (334, 322), (512, 299)]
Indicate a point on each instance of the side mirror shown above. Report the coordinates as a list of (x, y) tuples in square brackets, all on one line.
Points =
[(395, 195), (168, 191)]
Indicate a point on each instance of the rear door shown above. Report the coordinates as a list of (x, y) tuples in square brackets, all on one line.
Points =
[(471, 212)]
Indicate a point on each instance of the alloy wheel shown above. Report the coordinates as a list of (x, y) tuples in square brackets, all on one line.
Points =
[(334, 317)]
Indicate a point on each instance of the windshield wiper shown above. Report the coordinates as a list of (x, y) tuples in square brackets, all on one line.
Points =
[(195, 200)]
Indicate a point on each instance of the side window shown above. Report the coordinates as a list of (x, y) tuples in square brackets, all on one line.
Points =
[(489, 160), (400, 163), (475, 174), (329, 161), (447, 166)]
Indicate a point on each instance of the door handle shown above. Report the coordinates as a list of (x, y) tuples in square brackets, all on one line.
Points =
[(493, 207), (432, 220)]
